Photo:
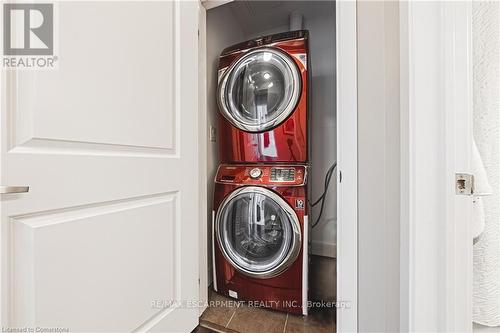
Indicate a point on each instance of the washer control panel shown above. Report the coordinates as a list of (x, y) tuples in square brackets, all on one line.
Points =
[(282, 175), (278, 175)]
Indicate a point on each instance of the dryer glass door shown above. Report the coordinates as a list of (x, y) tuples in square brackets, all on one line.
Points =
[(260, 90), (258, 232)]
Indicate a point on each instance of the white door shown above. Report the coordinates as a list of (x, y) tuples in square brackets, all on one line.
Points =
[(436, 144), (106, 239)]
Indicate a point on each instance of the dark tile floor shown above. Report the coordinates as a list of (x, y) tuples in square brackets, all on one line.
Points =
[(227, 315)]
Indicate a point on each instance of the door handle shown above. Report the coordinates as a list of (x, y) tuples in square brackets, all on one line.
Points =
[(13, 189)]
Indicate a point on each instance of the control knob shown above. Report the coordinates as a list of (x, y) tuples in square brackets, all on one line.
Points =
[(255, 173)]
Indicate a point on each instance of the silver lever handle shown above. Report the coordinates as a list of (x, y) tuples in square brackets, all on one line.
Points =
[(14, 189)]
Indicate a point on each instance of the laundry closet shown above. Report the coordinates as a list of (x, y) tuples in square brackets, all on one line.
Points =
[(248, 175)]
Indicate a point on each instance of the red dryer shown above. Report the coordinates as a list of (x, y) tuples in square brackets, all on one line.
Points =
[(262, 98), (260, 235)]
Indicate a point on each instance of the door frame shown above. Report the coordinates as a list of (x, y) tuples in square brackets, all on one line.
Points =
[(203, 142), (347, 164), (347, 161), (436, 142)]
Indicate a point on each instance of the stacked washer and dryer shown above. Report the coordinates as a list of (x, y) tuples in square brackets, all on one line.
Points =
[(260, 231)]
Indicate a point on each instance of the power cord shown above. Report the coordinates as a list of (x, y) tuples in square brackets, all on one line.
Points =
[(322, 198)]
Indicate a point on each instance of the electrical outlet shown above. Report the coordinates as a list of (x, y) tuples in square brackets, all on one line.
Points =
[(213, 134)]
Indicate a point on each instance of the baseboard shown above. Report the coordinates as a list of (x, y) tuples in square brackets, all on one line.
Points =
[(325, 249)]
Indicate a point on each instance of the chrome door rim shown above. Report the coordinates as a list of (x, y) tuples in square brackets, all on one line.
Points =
[(296, 244), (287, 111)]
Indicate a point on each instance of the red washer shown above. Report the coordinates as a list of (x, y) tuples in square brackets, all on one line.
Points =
[(262, 98), (260, 235)]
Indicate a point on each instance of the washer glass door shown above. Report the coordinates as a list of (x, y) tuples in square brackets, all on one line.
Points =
[(258, 232), (260, 90)]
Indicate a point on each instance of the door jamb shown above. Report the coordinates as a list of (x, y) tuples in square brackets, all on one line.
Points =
[(347, 159), (203, 160)]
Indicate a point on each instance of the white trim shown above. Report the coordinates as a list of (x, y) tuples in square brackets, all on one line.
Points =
[(407, 173), (436, 138), (214, 273), (305, 267), (202, 155), (347, 152)]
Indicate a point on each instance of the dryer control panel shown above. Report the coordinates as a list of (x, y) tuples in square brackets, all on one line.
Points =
[(279, 175)]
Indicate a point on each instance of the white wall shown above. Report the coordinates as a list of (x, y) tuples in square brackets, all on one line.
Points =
[(219, 36), (378, 166)]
